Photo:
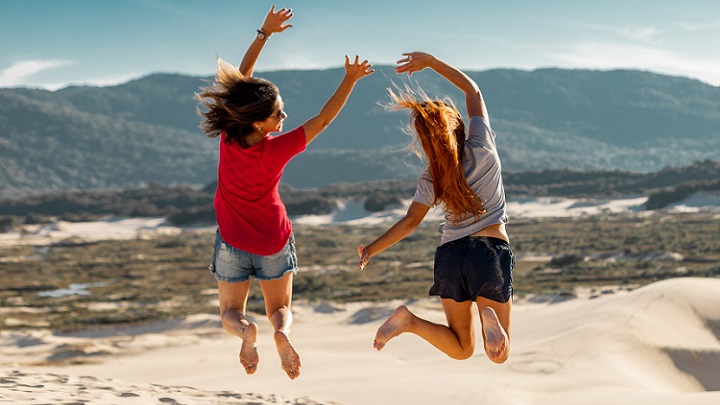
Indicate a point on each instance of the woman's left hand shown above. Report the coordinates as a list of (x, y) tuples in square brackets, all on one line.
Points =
[(275, 19), (364, 257)]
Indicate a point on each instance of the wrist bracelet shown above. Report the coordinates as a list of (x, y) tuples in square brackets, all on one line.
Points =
[(261, 35)]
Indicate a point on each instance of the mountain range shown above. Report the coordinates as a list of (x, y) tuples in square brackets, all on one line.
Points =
[(146, 130)]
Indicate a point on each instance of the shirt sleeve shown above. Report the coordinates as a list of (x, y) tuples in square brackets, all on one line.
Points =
[(289, 144), (480, 134), (425, 193)]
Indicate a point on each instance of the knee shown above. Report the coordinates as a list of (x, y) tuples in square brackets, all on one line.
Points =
[(226, 323), (231, 320), (230, 315), (227, 314), (278, 310), (464, 353)]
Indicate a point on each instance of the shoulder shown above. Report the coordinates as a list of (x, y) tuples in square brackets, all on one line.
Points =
[(291, 142), (294, 136), (480, 133), (425, 192), (478, 125), (298, 132)]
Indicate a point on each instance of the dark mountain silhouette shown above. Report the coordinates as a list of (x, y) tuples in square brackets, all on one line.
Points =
[(146, 130)]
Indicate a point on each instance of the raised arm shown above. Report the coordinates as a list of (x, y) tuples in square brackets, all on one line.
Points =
[(417, 61), (274, 22), (354, 71)]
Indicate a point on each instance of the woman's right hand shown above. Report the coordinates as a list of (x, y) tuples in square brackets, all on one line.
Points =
[(414, 62), (275, 19), (356, 70)]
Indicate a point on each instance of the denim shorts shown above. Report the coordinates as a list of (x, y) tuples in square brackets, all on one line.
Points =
[(233, 265), (474, 266)]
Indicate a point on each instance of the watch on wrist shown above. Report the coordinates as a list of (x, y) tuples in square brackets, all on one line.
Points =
[(261, 35)]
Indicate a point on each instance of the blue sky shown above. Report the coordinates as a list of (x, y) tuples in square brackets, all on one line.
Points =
[(54, 43)]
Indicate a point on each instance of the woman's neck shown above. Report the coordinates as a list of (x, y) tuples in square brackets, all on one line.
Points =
[(254, 138)]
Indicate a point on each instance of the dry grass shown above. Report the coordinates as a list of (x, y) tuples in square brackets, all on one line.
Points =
[(145, 280)]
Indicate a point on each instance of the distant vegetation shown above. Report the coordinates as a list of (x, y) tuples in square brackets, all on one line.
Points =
[(574, 183), (184, 205), (146, 131), (671, 195), (167, 277)]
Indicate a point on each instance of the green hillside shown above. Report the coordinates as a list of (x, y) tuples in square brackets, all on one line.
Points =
[(146, 130)]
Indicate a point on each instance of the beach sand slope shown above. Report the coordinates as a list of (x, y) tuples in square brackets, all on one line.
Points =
[(656, 345)]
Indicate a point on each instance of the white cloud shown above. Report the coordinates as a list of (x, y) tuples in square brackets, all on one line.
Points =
[(641, 34), (19, 71), (614, 56), (636, 33), (95, 82), (699, 26), (21, 74)]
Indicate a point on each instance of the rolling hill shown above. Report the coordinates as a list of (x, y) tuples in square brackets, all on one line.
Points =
[(146, 130)]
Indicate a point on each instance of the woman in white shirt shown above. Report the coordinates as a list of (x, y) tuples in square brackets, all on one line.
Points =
[(473, 263)]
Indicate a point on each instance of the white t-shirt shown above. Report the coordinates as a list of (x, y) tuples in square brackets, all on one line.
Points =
[(482, 171)]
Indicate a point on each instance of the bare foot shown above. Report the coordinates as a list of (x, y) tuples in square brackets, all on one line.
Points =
[(496, 340), (395, 325), (289, 358), (248, 352)]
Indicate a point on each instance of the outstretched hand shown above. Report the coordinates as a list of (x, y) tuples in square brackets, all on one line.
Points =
[(275, 19), (356, 70), (413, 62), (364, 257)]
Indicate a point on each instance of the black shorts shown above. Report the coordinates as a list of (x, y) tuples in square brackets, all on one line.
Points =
[(474, 266)]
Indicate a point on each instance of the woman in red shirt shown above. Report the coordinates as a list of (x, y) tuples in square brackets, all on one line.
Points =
[(254, 237)]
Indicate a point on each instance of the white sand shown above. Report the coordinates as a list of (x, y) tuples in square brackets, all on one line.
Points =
[(656, 345), (111, 229), (348, 213), (352, 212)]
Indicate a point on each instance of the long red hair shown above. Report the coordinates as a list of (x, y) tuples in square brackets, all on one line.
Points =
[(439, 128)]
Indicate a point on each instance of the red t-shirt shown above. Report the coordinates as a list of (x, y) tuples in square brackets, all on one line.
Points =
[(248, 209)]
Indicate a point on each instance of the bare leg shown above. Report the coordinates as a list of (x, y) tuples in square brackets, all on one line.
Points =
[(457, 340), (278, 298), (495, 318), (233, 301)]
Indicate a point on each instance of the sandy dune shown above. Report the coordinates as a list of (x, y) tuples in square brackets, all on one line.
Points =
[(656, 345)]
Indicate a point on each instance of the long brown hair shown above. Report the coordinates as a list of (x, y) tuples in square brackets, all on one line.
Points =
[(439, 128), (234, 102)]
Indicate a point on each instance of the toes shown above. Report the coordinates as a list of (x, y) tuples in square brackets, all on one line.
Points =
[(292, 370), (249, 359), (250, 368), (293, 374)]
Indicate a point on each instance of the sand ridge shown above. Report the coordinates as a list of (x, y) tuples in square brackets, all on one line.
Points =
[(659, 344)]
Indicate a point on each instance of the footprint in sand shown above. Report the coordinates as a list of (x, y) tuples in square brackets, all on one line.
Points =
[(538, 366)]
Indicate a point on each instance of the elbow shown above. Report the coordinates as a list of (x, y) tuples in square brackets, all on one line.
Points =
[(319, 124), (411, 223), (324, 124)]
